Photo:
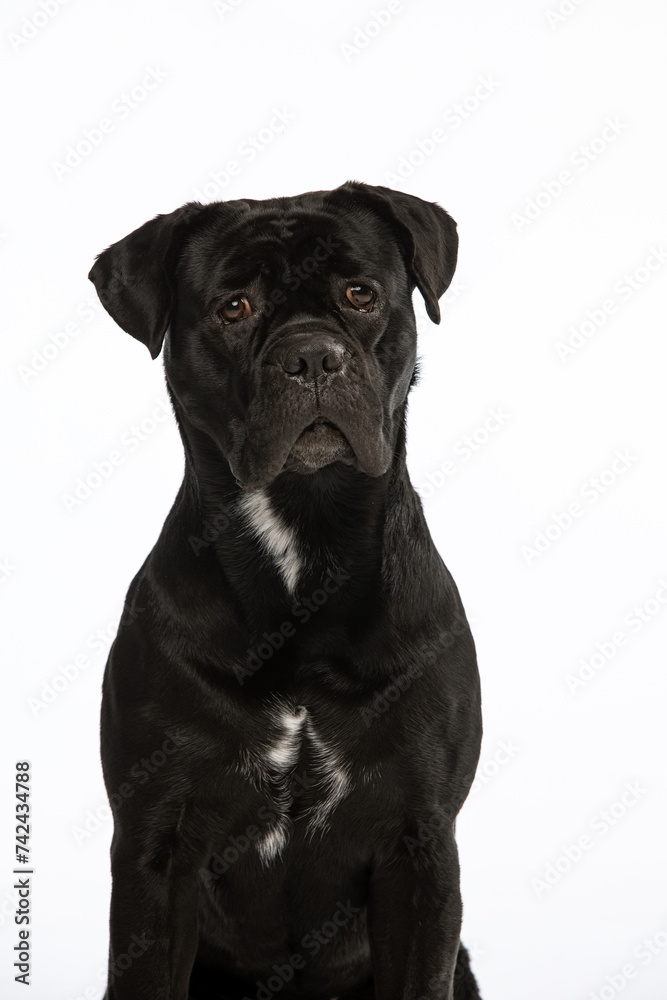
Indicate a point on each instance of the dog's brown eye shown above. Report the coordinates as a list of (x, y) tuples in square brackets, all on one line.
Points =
[(235, 309), (360, 296)]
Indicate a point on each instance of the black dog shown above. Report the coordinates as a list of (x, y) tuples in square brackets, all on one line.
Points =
[(291, 708)]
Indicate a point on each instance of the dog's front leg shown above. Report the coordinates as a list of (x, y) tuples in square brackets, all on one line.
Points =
[(414, 919), (153, 922)]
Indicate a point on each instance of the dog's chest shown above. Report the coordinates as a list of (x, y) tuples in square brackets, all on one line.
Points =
[(302, 773)]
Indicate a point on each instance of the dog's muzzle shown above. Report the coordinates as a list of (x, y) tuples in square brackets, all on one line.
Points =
[(311, 361), (315, 403)]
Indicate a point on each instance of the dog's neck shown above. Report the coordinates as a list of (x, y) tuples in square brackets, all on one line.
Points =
[(309, 530)]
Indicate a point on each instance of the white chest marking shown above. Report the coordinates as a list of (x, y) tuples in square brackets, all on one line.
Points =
[(277, 539), (278, 763), (285, 753), (272, 843), (327, 780), (332, 779)]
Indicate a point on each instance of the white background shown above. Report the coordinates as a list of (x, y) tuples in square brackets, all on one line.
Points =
[(358, 107)]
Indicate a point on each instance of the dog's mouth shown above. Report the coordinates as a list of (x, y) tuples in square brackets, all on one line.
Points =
[(319, 444), (300, 433)]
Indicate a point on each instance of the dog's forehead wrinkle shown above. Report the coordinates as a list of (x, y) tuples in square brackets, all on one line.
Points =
[(284, 226), (278, 227)]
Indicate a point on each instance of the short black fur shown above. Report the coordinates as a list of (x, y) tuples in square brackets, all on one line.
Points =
[(288, 735)]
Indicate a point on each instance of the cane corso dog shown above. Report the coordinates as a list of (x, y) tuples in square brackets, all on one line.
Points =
[(291, 707)]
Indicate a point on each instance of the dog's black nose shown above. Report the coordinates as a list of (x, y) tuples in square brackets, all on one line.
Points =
[(311, 357)]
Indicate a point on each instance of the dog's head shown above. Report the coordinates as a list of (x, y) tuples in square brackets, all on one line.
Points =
[(290, 334)]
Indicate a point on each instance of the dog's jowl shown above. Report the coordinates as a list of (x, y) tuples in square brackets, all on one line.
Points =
[(294, 637)]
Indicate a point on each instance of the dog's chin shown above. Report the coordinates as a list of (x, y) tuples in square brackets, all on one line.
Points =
[(321, 443), (318, 445)]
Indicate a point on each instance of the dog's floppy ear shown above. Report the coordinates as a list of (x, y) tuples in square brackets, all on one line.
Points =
[(133, 277), (427, 233)]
